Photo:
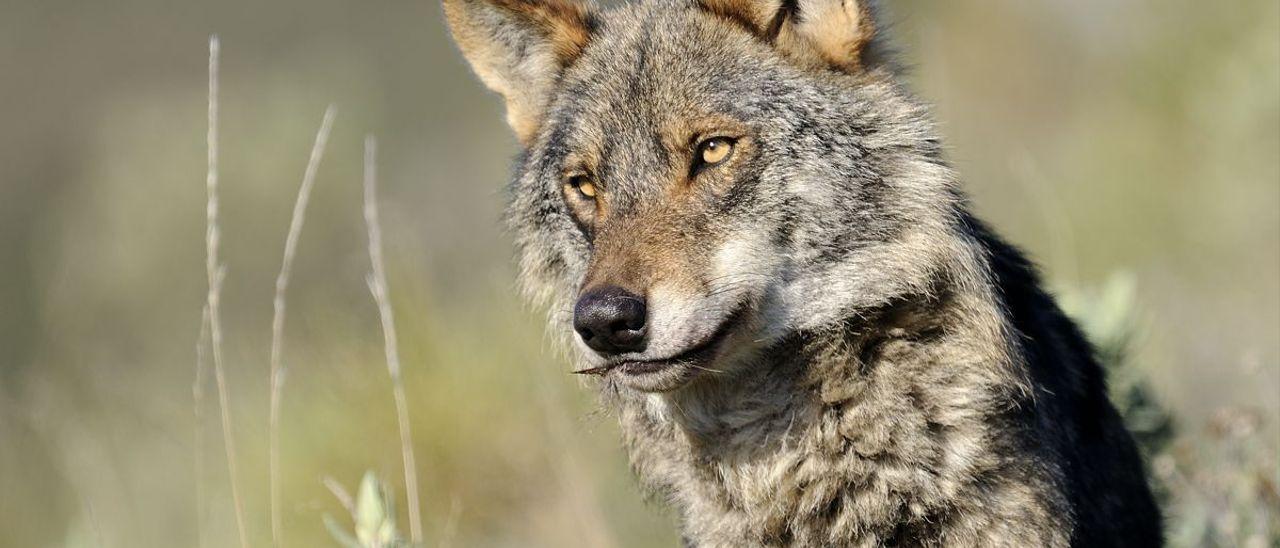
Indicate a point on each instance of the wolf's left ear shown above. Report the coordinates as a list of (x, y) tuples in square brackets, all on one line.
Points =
[(519, 48), (836, 33)]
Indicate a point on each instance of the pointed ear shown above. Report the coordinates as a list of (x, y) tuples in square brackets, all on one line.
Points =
[(519, 48), (835, 33), (840, 31)]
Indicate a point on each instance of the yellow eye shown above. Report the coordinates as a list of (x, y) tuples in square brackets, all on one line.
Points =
[(715, 150), (582, 185)]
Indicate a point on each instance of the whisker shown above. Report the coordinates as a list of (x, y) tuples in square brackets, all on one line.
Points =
[(741, 276), (707, 369)]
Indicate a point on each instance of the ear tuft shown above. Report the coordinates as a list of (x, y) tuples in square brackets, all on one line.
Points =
[(838, 30), (519, 48), (565, 24), (832, 33), (760, 17)]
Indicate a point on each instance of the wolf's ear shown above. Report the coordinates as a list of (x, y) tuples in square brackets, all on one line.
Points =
[(837, 33), (519, 48)]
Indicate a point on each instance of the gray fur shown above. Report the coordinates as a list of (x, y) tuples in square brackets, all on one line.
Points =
[(897, 377)]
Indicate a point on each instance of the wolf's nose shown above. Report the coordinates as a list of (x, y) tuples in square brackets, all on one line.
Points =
[(610, 320)]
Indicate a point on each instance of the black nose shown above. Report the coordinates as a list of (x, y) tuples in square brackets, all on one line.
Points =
[(610, 320)]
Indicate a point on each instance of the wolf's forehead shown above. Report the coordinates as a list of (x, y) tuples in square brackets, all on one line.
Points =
[(648, 69), (636, 64)]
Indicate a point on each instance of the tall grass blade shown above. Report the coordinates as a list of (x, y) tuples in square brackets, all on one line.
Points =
[(215, 273), (378, 287), (277, 320)]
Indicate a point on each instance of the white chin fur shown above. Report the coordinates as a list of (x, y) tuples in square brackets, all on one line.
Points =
[(678, 322), (742, 268)]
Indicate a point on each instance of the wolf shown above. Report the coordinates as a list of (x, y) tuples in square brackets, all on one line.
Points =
[(745, 228)]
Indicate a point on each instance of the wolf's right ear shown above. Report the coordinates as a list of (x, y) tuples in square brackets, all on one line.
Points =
[(833, 33), (519, 48)]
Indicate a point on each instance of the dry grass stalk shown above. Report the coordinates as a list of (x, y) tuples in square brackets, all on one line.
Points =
[(215, 274), (340, 493), (378, 286), (197, 397), (450, 530), (91, 516), (277, 321)]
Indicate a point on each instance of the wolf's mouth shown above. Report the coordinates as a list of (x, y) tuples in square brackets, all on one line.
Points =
[(695, 356)]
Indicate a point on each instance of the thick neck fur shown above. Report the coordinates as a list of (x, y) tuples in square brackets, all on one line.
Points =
[(904, 425)]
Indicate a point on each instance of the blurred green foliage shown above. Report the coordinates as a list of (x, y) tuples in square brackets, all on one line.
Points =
[(1219, 483), (373, 516), (1109, 316), (1102, 135)]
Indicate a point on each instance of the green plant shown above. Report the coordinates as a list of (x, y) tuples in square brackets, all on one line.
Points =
[(1219, 485), (372, 515)]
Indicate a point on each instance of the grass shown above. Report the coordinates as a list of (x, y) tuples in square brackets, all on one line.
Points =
[(377, 281), (277, 321), (216, 275), (197, 398), (1218, 483), (384, 532)]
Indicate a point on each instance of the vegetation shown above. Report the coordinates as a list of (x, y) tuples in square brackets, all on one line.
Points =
[(1219, 483)]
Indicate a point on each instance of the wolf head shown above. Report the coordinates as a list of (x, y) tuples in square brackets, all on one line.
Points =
[(701, 178)]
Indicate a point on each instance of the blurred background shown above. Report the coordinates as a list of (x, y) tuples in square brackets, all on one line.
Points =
[(1131, 146)]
